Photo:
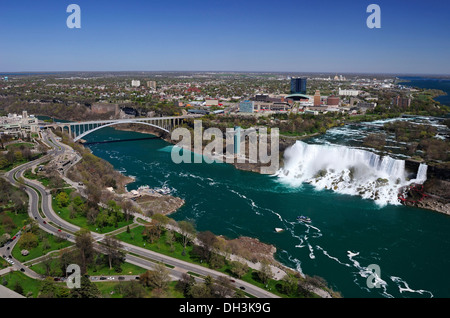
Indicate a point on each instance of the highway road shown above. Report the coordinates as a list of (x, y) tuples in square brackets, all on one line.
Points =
[(49, 221)]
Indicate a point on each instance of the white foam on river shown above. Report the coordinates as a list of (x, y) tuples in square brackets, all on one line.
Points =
[(347, 170)]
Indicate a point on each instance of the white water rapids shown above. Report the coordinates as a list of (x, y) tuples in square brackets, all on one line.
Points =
[(348, 171)]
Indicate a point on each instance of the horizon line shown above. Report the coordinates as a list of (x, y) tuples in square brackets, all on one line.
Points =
[(222, 71)]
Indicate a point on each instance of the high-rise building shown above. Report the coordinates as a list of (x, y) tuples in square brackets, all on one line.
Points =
[(317, 98), (135, 83), (402, 102), (298, 85), (151, 84)]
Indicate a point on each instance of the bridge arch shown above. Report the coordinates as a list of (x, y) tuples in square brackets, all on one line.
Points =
[(116, 123)]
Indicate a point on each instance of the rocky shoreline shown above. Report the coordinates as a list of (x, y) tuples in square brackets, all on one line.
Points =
[(436, 196)]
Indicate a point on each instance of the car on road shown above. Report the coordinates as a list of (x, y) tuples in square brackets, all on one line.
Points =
[(45, 222), (102, 278), (121, 278), (22, 269), (242, 287)]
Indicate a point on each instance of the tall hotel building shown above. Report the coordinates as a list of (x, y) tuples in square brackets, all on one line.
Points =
[(298, 85)]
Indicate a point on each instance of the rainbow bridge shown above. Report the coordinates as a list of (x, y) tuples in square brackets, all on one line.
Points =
[(80, 129)]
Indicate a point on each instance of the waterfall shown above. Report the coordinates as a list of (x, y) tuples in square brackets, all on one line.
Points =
[(421, 173), (346, 170)]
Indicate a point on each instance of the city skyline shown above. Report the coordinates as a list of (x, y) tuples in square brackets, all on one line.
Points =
[(264, 36)]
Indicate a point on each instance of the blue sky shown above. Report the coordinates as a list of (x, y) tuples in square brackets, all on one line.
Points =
[(226, 35)]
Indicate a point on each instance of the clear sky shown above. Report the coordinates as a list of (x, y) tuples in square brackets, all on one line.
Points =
[(226, 35)]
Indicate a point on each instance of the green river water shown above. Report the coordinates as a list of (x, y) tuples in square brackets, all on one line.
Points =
[(348, 233)]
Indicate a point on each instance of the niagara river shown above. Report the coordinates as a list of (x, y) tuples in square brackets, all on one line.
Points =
[(348, 191)]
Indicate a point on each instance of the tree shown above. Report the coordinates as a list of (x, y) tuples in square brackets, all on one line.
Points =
[(78, 204), (265, 272), (87, 290), (127, 207), (163, 220), (132, 289), (18, 288), (200, 290), (289, 284), (222, 287), (152, 231), (85, 245), (187, 232), (208, 241), (8, 223), (185, 284), (157, 278), (170, 238), (20, 205), (65, 259), (216, 260), (62, 199), (239, 269), (112, 250), (28, 241), (48, 289), (47, 262)]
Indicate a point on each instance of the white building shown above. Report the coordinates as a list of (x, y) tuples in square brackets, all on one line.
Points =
[(135, 83), (14, 122), (348, 92)]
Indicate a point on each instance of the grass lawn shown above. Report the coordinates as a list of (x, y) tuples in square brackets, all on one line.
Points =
[(18, 220), (28, 284), (103, 270), (3, 263), (53, 244), (111, 290), (108, 289), (127, 269), (81, 221), (19, 144), (135, 237), (29, 175)]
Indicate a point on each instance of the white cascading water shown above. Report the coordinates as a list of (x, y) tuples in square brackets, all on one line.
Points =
[(347, 171)]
